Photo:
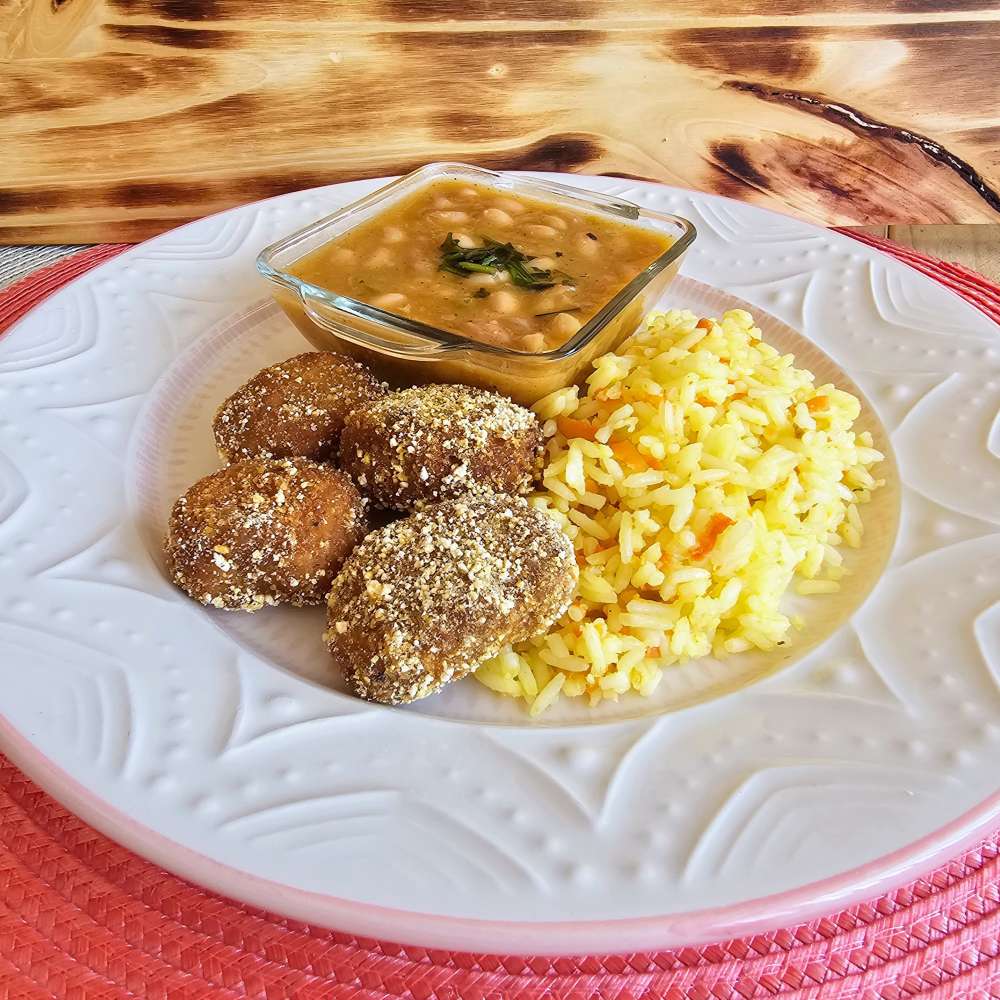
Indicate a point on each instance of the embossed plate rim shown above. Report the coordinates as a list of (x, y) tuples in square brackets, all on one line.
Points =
[(507, 937), (552, 936)]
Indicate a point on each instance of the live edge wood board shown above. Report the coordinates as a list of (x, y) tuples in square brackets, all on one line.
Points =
[(121, 118)]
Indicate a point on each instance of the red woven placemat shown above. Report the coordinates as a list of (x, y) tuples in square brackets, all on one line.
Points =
[(82, 918)]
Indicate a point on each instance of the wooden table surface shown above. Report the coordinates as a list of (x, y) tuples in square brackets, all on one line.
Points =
[(122, 118), (975, 246)]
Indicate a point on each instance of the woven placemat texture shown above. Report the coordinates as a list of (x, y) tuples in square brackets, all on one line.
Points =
[(83, 918), (18, 262)]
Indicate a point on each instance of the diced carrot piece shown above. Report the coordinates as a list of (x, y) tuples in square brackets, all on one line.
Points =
[(818, 403), (627, 452), (738, 395), (576, 428), (717, 524), (704, 324), (704, 400)]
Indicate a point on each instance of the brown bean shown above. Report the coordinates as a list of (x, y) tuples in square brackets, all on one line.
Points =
[(564, 325), (545, 263), (555, 298), (390, 300), (497, 217), (541, 232), (509, 205), (481, 280), (505, 302), (448, 217)]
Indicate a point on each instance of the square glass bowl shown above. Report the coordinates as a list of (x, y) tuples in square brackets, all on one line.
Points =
[(406, 352)]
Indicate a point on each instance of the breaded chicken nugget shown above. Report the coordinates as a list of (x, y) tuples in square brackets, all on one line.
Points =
[(427, 599), (264, 531), (295, 408), (433, 442)]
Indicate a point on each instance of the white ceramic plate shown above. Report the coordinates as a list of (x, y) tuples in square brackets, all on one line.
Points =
[(204, 741)]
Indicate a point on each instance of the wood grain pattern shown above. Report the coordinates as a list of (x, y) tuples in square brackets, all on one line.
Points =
[(119, 118), (974, 246)]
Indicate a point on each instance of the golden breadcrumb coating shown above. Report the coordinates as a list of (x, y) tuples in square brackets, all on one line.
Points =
[(294, 409), (264, 531), (426, 599), (433, 442)]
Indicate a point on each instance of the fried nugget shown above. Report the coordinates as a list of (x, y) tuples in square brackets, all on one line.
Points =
[(434, 442), (427, 599), (264, 531), (295, 408)]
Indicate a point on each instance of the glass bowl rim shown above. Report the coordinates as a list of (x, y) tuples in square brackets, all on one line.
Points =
[(446, 341)]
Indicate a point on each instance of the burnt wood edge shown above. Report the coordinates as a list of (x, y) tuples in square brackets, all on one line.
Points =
[(862, 125)]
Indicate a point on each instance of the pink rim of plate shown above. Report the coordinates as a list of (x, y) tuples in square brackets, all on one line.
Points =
[(599, 936), (794, 906)]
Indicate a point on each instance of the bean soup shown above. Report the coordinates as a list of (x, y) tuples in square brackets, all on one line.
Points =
[(489, 265)]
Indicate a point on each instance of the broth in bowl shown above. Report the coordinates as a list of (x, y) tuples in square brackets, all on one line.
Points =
[(490, 265)]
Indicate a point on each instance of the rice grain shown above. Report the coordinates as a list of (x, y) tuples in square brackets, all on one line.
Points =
[(703, 476)]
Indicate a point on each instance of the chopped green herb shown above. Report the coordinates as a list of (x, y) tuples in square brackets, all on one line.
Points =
[(481, 293), (591, 236), (492, 257), (559, 253)]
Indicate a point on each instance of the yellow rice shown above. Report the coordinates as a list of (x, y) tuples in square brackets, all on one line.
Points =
[(699, 476)]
